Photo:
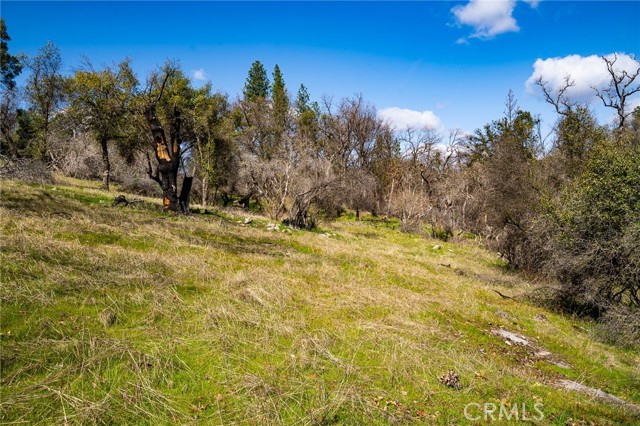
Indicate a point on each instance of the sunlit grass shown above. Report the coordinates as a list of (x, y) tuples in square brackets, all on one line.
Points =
[(218, 322)]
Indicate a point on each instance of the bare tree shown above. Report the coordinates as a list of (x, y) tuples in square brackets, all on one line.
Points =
[(621, 86), (558, 97)]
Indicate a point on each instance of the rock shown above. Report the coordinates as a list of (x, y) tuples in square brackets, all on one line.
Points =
[(596, 393), (247, 220), (503, 314), (541, 317), (511, 337), (560, 364), (437, 247)]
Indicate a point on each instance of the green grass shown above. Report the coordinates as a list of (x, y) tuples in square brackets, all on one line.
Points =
[(224, 323)]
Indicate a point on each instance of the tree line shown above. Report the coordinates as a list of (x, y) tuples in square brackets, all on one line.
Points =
[(565, 204)]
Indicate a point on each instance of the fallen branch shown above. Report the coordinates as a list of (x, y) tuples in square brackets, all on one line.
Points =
[(121, 199), (503, 296)]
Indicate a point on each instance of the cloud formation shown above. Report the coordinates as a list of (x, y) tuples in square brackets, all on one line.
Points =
[(585, 71), (401, 119), (488, 17), (199, 75)]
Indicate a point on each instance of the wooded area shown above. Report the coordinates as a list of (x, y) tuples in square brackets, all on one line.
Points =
[(564, 205)]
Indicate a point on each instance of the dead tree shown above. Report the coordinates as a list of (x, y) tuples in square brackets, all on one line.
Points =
[(168, 154), (621, 86), (558, 98)]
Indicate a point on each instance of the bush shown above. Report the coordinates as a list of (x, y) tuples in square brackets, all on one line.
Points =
[(596, 254), (620, 326), (25, 169)]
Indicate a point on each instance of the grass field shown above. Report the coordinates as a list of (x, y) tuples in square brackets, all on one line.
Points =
[(127, 315)]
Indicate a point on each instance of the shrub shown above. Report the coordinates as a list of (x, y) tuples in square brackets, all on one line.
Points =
[(596, 221)]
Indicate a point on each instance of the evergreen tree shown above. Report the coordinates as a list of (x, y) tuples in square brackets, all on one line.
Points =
[(307, 114), (257, 84), (280, 104), (302, 100), (10, 66)]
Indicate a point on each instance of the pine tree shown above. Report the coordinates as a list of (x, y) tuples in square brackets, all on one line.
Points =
[(257, 84), (10, 67), (307, 115), (302, 100), (280, 104)]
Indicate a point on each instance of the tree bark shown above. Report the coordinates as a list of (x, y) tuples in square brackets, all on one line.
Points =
[(205, 192), (168, 159), (106, 165)]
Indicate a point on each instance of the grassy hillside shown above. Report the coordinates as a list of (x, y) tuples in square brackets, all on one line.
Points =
[(127, 315)]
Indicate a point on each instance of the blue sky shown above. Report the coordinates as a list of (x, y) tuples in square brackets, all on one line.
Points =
[(440, 63)]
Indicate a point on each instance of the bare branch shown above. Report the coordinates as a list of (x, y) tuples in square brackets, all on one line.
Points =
[(559, 99), (621, 86)]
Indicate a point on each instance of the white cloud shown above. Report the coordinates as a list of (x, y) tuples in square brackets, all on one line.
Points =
[(401, 119), (199, 74), (488, 17), (585, 71), (532, 3)]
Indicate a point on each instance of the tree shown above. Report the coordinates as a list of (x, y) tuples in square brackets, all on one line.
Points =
[(213, 149), (350, 139), (257, 84), (307, 114), (621, 86), (280, 106), (101, 99), (44, 92), (254, 115), (10, 68), (558, 98), (507, 191), (577, 134), (171, 93)]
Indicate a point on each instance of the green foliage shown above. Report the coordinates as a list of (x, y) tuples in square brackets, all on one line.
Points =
[(10, 66), (308, 114), (578, 133), (44, 93), (605, 197), (280, 103), (597, 219), (211, 122), (507, 151), (101, 99), (514, 132), (257, 84)]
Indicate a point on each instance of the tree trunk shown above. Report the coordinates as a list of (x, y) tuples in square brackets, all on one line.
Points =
[(187, 182), (168, 159), (205, 192), (106, 165)]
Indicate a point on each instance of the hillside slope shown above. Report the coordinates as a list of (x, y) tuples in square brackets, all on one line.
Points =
[(127, 315)]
